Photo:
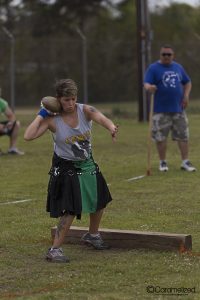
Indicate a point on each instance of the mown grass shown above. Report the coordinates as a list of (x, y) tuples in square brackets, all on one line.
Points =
[(162, 202)]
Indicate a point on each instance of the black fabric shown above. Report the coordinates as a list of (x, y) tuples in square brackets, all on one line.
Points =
[(5, 130), (104, 196), (64, 193)]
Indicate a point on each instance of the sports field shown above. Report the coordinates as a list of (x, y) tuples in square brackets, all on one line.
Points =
[(166, 202)]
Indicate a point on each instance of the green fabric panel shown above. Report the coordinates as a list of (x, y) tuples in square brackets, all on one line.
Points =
[(88, 185)]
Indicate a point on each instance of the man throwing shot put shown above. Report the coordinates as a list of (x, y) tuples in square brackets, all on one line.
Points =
[(171, 85)]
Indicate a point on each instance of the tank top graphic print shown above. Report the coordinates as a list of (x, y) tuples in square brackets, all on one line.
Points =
[(73, 143)]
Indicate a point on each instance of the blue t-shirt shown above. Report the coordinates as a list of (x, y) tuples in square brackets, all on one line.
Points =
[(169, 80)]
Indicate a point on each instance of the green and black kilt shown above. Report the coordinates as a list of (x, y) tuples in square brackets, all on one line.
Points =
[(75, 188)]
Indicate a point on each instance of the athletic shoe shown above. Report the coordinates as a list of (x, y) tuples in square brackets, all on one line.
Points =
[(163, 166), (56, 255), (15, 151), (96, 241), (187, 166)]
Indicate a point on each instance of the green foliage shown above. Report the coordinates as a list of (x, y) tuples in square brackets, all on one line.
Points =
[(51, 17), (176, 29), (47, 46)]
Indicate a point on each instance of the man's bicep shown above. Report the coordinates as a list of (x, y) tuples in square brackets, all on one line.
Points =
[(90, 112), (148, 78)]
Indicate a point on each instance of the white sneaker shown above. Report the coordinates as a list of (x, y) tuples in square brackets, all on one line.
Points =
[(187, 166), (163, 166), (15, 151)]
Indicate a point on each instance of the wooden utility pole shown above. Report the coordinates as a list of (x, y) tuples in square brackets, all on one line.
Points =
[(144, 37), (84, 65), (12, 65)]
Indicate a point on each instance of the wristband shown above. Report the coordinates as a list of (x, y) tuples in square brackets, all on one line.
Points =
[(43, 113)]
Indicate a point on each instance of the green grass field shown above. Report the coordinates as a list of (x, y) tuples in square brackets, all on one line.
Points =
[(166, 202)]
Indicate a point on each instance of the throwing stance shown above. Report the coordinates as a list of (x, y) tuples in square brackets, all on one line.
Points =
[(76, 184)]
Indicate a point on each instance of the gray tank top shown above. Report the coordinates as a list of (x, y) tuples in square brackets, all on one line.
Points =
[(73, 143)]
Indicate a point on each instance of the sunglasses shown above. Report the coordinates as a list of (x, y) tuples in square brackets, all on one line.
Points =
[(166, 54)]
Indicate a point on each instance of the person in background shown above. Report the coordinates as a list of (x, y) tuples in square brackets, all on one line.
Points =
[(9, 127), (171, 85), (76, 184)]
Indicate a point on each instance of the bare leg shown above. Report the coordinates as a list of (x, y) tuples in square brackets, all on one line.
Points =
[(95, 219), (93, 238), (14, 135), (162, 148), (63, 227), (184, 149)]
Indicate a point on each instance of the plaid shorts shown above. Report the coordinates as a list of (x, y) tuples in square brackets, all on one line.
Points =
[(163, 123)]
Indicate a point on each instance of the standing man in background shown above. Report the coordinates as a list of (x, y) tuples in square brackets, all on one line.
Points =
[(172, 86), (9, 127)]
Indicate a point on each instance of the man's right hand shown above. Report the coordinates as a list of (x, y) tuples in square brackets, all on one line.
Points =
[(151, 88), (4, 128)]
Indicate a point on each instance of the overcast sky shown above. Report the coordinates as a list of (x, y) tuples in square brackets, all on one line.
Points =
[(152, 3)]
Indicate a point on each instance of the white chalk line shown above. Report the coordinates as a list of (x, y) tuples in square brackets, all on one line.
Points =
[(17, 201), (130, 179), (135, 178)]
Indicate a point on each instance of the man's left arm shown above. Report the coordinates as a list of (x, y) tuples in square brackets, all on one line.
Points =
[(186, 94)]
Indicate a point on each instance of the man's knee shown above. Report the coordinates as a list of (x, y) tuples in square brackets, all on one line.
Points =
[(17, 124), (14, 129)]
